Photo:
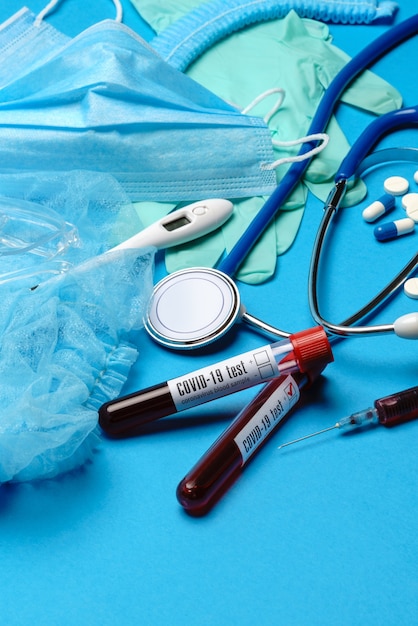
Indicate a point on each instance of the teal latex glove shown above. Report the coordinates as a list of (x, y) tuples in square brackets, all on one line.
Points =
[(294, 54)]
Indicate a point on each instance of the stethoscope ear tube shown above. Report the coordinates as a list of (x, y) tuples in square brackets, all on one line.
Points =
[(380, 127), (407, 325), (387, 155)]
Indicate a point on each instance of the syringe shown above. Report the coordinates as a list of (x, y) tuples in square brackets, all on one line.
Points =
[(392, 410)]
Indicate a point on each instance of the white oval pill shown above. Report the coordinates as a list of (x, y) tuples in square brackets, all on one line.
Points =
[(411, 288), (396, 185), (416, 176)]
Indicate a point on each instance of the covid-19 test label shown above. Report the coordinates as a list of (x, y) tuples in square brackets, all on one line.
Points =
[(209, 383), (267, 417)]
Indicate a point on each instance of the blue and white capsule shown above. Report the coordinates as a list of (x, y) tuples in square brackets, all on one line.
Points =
[(397, 228), (379, 207)]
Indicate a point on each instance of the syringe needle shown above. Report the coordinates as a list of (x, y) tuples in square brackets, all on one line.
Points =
[(318, 432), (397, 408)]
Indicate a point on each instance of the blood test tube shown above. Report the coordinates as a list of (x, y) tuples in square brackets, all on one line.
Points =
[(302, 351), (224, 461)]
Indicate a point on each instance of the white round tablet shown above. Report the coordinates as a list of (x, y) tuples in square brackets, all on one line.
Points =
[(396, 185), (411, 288), (416, 176), (412, 212), (409, 199), (410, 204)]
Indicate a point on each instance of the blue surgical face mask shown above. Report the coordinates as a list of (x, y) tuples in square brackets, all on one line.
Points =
[(105, 101), (25, 43)]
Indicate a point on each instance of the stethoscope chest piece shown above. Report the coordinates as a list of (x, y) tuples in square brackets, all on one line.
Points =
[(192, 308)]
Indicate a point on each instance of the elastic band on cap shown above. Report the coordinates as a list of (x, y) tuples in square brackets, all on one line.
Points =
[(191, 35)]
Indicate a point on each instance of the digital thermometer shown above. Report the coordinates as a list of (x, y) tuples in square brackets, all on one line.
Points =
[(182, 225)]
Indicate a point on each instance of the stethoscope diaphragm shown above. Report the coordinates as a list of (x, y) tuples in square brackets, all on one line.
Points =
[(209, 305)]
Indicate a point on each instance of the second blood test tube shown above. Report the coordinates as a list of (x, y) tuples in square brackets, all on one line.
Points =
[(202, 487)]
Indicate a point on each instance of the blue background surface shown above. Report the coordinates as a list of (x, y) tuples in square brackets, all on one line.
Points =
[(319, 534)]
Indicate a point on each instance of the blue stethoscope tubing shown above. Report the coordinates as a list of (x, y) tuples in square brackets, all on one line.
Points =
[(378, 48), (383, 125)]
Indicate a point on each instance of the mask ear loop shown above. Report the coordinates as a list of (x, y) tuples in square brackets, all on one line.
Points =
[(119, 10), (263, 96), (53, 3), (322, 137)]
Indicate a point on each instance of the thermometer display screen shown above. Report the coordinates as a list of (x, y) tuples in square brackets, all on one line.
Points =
[(178, 223)]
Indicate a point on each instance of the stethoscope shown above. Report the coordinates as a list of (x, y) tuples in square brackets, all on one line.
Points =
[(194, 307)]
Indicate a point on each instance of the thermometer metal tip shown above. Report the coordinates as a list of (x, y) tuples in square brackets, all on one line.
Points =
[(318, 432)]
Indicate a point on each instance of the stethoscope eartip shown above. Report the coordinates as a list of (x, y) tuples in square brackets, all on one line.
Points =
[(406, 326)]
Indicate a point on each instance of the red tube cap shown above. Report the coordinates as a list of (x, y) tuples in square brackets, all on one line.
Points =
[(311, 348)]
